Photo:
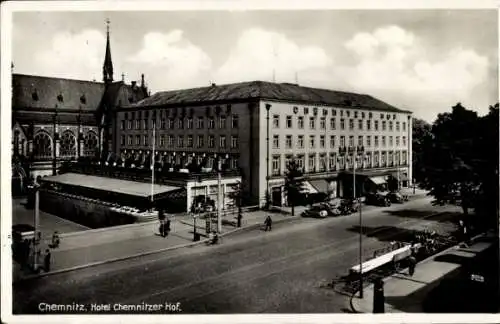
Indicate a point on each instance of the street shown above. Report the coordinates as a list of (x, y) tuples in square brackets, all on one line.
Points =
[(251, 272)]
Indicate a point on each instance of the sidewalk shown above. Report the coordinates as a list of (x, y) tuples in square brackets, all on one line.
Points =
[(405, 294), (81, 252)]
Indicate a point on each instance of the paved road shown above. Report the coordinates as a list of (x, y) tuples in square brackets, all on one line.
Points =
[(253, 272)]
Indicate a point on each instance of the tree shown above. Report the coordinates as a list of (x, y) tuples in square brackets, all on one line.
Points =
[(459, 161), (422, 133), (294, 183), (237, 195)]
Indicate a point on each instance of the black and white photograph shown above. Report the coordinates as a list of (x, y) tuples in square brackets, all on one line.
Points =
[(239, 158)]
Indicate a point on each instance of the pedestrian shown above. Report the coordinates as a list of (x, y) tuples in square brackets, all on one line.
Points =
[(167, 228), (46, 260), (55, 240), (412, 263), (268, 222)]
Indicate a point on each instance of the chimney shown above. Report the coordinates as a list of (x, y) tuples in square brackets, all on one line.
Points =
[(142, 80), (134, 84)]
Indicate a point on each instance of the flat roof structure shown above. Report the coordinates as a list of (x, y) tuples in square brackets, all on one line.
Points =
[(126, 187)]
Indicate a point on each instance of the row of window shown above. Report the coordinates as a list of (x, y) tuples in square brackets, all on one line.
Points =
[(169, 141), (356, 114), (361, 124), (322, 141), (335, 162), (181, 123)]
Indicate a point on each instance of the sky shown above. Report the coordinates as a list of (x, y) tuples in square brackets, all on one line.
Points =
[(424, 61)]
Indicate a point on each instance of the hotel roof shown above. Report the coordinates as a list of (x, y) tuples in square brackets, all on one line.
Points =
[(261, 90)]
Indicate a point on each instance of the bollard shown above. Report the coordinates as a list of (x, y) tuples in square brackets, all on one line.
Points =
[(378, 297)]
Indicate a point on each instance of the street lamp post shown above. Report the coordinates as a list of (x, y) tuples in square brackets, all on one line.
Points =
[(219, 216), (268, 107), (360, 222), (36, 225)]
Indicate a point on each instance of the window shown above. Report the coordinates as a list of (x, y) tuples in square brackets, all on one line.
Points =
[(332, 123), (276, 121), (234, 121), (190, 123), (145, 141), (312, 122), (383, 141), (363, 114), (397, 140), (276, 141), (300, 141), (300, 122), (360, 140), (122, 140), (199, 141), (211, 141), (122, 124), (190, 141), (397, 126), (351, 141), (300, 161), (404, 157), (355, 114), (351, 124), (234, 141), (288, 159), (153, 123), (322, 141), (390, 126), (199, 123), (404, 127), (322, 162), (211, 123), (376, 141), (342, 141), (276, 165), (129, 124), (376, 125), (368, 124), (348, 113), (332, 141), (234, 163), (360, 124), (180, 123), (312, 163), (288, 142), (222, 141), (137, 139), (137, 124), (171, 123), (145, 124), (162, 140), (342, 123), (170, 140), (222, 122), (130, 140), (383, 125), (67, 144), (288, 121), (180, 141), (391, 143), (381, 116), (332, 163), (368, 141), (334, 112), (404, 140), (163, 124), (322, 123), (312, 143)]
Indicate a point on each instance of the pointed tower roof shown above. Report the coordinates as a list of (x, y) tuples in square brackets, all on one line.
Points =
[(107, 68)]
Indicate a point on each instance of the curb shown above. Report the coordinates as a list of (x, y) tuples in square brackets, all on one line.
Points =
[(351, 299), (93, 264)]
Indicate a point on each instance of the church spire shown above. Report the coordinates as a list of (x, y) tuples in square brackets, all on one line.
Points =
[(107, 68)]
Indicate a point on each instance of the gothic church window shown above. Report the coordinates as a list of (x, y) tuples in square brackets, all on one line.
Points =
[(68, 144), (42, 145)]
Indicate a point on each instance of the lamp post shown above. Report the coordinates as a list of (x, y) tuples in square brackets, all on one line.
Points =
[(268, 107), (36, 225), (219, 216), (360, 222)]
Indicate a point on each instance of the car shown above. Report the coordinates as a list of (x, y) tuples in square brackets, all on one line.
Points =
[(395, 197), (378, 199), (316, 212)]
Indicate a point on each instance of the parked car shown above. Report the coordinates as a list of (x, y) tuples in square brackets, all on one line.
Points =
[(348, 206), (395, 197), (316, 212), (378, 199)]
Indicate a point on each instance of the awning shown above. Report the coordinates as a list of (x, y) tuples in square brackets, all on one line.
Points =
[(320, 185), (378, 180), (309, 188)]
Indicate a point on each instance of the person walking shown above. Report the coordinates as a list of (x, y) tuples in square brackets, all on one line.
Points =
[(412, 263), (46, 261), (55, 240), (167, 228), (268, 222)]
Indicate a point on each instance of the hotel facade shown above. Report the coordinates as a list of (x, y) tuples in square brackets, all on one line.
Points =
[(257, 127)]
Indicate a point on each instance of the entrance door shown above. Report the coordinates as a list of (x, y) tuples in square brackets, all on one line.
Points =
[(276, 196)]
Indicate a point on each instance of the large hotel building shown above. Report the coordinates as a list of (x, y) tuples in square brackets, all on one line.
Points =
[(257, 127)]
